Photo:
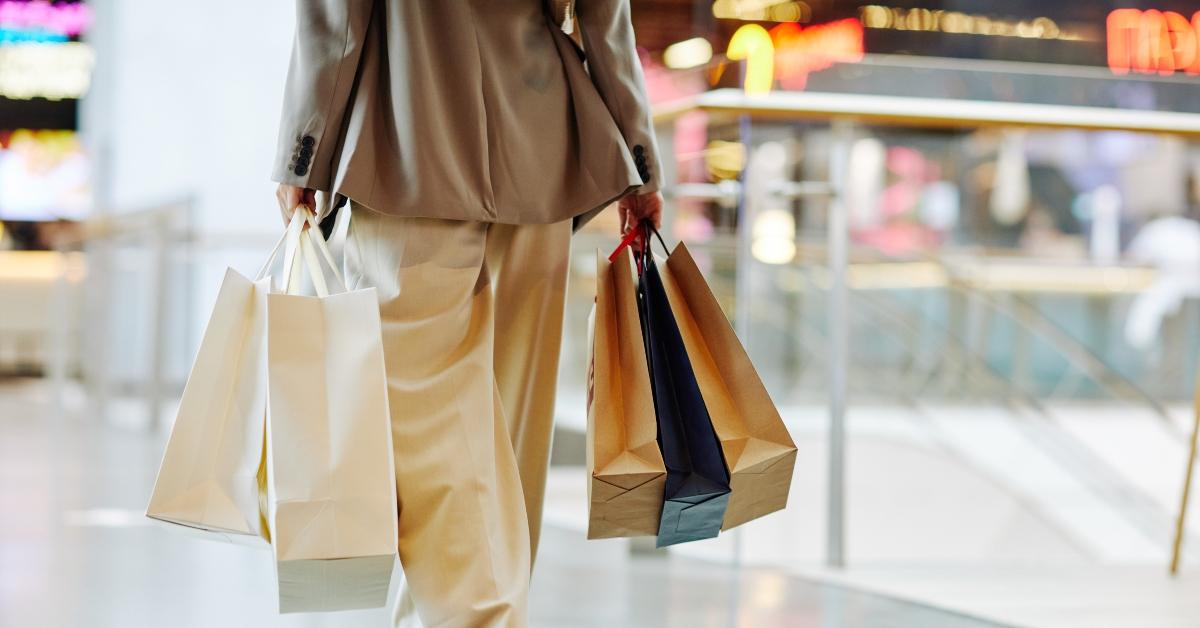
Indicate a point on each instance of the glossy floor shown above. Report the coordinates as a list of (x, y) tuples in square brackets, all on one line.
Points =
[(75, 552)]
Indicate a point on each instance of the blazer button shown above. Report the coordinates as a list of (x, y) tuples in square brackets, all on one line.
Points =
[(306, 152), (308, 141), (301, 170), (645, 177), (638, 150)]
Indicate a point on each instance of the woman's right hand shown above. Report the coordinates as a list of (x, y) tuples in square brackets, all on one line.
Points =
[(290, 197)]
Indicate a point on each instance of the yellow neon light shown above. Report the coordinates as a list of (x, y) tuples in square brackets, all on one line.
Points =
[(688, 53), (753, 43), (762, 10)]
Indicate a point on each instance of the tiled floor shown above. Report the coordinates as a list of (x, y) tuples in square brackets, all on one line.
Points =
[(75, 552)]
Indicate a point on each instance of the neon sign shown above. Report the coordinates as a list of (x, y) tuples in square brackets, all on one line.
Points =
[(789, 52), (63, 19), (18, 36), (939, 21), (53, 72), (44, 175), (802, 51), (1150, 42), (753, 44), (762, 10)]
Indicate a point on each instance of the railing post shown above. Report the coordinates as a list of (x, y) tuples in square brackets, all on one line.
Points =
[(160, 228), (838, 234)]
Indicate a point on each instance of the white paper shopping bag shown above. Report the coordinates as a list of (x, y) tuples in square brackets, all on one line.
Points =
[(211, 477), (332, 497)]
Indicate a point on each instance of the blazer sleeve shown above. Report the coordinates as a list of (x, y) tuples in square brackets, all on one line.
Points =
[(325, 54), (613, 63)]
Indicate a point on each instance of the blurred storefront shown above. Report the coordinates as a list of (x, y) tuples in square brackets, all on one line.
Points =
[(961, 229), (45, 181), (967, 230)]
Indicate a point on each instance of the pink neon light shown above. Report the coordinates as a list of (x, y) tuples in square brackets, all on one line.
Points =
[(67, 19)]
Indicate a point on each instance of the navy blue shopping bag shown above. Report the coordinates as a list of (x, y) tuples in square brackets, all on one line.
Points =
[(697, 487)]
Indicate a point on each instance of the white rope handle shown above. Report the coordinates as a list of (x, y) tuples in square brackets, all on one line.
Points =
[(298, 250), (314, 229), (314, 265), (271, 257), (291, 238)]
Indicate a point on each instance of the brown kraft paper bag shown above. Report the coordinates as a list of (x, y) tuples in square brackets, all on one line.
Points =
[(626, 475), (759, 452)]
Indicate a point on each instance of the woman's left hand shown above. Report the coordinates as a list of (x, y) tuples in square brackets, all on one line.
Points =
[(635, 208), (290, 197)]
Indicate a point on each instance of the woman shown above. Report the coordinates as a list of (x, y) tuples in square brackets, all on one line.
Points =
[(468, 137)]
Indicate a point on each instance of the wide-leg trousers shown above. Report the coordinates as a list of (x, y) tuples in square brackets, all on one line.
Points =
[(472, 323)]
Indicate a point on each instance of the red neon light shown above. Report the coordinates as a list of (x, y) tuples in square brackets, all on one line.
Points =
[(1149, 42), (800, 51)]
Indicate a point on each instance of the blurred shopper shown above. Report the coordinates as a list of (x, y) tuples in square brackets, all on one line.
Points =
[(467, 137), (1172, 245)]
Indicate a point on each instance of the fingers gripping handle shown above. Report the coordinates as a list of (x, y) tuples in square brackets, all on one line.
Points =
[(641, 232), (298, 249)]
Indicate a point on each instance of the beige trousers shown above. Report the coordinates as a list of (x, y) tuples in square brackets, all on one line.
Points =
[(472, 324)]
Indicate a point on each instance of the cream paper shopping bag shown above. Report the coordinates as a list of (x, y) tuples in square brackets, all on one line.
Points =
[(625, 468), (759, 452), (332, 498), (211, 477)]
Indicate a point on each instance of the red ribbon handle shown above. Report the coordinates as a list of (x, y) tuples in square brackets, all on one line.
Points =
[(626, 241)]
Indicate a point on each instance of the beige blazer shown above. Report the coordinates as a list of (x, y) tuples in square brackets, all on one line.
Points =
[(467, 109)]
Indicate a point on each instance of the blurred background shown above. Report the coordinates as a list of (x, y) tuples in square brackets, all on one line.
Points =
[(959, 239)]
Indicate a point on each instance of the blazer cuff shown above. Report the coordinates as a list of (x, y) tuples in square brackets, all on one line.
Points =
[(296, 164), (647, 168)]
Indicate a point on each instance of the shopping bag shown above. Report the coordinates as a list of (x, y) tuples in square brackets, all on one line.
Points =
[(697, 487), (212, 475), (332, 487), (626, 475), (758, 450)]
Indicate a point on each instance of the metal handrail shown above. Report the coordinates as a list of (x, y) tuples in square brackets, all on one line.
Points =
[(926, 112), (164, 228), (1128, 500)]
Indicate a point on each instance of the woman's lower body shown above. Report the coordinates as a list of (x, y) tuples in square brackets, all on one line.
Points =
[(472, 320)]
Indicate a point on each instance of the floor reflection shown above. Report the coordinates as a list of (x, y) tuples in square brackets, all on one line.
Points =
[(75, 552)]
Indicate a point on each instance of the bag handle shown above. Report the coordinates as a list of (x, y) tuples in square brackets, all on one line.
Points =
[(271, 257), (291, 247), (649, 228), (626, 241), (314, 266), (316, 236), (645, 228), (297, 248)]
